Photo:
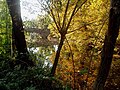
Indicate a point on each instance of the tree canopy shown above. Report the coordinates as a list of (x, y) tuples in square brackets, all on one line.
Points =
[(67, 45)]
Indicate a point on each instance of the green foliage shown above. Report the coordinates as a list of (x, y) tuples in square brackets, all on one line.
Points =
[(83, 71), (34, 78), (41, 22), (5, 28)]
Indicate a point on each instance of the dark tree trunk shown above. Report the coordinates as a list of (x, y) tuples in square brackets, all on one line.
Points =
[(18, 37), (109, 44), (57, 56), (18, 31)]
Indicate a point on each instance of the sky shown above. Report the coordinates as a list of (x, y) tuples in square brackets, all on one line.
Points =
[(30, 9)]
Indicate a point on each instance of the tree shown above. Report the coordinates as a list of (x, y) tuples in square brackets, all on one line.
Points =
[(18, 37), (63, 21), (109, 44), (84, 40)]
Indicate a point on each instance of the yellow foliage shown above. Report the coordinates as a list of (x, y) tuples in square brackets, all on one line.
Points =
[(80, 54)]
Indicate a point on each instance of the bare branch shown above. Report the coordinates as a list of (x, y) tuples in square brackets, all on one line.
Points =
[(53, 16), (80, 6), (71, 16), (58, 19), (72, 62), (64, 18)]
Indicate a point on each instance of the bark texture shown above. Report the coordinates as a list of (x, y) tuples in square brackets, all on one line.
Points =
[(109, 44), (17, 26), (18, 37)]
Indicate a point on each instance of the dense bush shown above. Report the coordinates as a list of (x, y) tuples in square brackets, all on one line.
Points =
[(35, 78)]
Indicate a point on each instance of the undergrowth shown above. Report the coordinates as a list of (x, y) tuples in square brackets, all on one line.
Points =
[(34, 78)]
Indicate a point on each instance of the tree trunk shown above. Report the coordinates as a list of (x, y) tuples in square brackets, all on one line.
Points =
[(57, 56), (18, 37), (17, 26), (109, 44)]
